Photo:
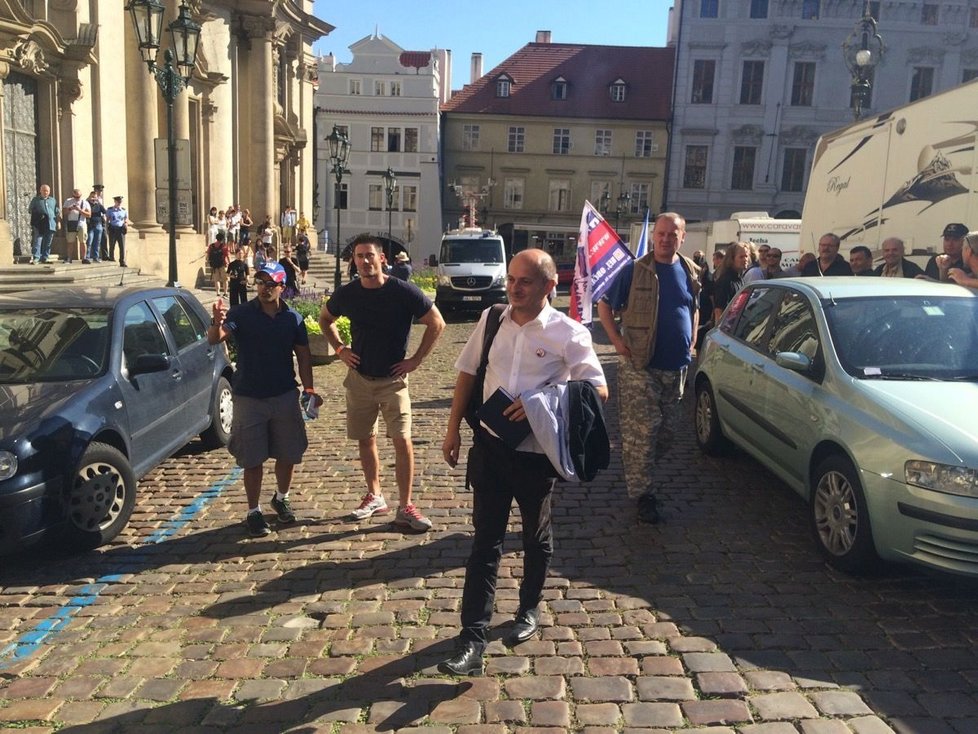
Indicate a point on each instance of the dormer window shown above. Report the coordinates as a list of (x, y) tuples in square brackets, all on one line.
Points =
[(558, 89), (503, 86), (617, 90)]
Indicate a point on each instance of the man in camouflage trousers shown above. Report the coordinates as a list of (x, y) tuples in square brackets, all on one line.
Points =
[(656, 298)]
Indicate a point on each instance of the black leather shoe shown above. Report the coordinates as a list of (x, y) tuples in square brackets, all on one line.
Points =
[(467, 660), (648, 509), (525, 626)]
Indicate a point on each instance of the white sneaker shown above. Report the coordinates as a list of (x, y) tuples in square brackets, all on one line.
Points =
[(371, 504), (411, 517)]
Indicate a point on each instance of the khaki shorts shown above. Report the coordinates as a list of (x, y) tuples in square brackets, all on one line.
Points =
[(368, 396), (264, 428)]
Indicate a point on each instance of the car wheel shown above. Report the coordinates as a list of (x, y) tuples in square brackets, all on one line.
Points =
[(218, 433), (709, 435), (840, 518), (100, 497)]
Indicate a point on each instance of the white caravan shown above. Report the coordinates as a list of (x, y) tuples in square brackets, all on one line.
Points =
[(905, 173), (757, 227)]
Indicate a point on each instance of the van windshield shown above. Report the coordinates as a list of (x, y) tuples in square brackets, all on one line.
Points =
[(471, 251)]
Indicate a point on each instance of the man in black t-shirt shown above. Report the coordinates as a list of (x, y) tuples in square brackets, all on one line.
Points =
[(381, 310)]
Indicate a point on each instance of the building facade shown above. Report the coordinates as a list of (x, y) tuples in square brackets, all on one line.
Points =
[(758, 81), (386, 102), (553, 126), (81, 108)]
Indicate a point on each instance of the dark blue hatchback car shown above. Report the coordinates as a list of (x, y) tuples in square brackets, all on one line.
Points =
[(97, 387)]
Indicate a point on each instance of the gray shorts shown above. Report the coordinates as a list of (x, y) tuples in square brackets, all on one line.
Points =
[(264, 428)]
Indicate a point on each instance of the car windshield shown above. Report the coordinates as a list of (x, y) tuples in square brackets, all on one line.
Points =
[(471, 251), (52, 344), (906, 337)]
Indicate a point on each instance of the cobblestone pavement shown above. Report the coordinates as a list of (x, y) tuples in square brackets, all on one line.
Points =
[(721, 620)]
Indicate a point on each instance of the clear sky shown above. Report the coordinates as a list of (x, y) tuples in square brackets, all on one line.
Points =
[(496, 28)]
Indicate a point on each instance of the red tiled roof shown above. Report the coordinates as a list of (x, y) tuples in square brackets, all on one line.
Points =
[(588, 70)]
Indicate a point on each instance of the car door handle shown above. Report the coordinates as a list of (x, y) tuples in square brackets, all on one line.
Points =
[(176, 375), (757, 366)]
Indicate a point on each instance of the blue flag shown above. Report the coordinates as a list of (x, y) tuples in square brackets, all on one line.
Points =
[(643, 240)]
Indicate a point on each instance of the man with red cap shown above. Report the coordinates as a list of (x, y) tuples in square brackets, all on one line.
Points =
[(267, 420)]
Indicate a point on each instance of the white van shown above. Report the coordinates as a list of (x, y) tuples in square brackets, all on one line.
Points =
[(471, 270), (905, 173), (757, 227)]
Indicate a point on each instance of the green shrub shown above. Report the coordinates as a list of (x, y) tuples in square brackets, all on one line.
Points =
[(309, 304), (425, 279)]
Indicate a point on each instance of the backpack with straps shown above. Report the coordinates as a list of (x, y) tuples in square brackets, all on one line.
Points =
[(493, 319)]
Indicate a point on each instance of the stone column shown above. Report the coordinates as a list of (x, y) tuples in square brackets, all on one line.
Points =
[(142, 125), (261, 98)]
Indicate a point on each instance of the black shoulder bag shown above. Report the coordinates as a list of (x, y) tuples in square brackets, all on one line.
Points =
[(493, 319)]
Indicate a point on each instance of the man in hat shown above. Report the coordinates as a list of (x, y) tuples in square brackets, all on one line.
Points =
[(117, 222), (402, 266), (938, 265), (267, 420)]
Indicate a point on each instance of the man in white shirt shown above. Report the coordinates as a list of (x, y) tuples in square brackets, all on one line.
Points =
[(75, 213), (535, 346)]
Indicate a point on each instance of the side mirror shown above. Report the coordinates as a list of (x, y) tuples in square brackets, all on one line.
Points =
[(795, 361), (146, 363)]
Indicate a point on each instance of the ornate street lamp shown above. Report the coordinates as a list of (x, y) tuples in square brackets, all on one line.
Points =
[(147, 20), (863, 50), (390, 186), (623, 199), (339, 153), (605, 201)]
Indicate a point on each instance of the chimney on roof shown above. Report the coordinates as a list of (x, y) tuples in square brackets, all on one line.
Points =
[(543, 36), (476, 67)]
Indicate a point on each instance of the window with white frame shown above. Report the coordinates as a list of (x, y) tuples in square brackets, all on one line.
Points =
[(602, 142), (376, 139), (375, 197), (921, 82), (600, 194), (742, 176), (516, 139), (704, 71), (354, 86), (503, 86), (513, 193), (694, 171), (793, 169), (562, 140), (393, 140), (470, 137), (560, 192), (395, 89), (559, 89), (645, 144), (803, 84), (410, 140), (409, 197), (378, 88), (617, 90), (751, 82), (639, 198)]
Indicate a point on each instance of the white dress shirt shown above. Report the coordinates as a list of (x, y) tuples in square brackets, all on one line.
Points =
[(550, 349)]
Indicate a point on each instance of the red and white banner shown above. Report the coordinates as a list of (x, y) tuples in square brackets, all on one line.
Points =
[(600, 257)]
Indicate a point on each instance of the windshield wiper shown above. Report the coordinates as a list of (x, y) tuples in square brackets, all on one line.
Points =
[(904, 376)]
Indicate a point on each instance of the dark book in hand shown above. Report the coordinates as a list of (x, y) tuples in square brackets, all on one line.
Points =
[(510, 432)]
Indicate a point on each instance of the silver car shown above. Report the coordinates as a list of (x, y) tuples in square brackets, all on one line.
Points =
[(862, 395)]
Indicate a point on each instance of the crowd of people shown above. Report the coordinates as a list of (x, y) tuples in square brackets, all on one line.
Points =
[(236, 248), (93, 232), (739, 263)]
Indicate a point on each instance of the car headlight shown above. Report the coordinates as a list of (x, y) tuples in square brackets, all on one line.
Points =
[(957, 480), (445, 281), (8, 465), (498, 281)]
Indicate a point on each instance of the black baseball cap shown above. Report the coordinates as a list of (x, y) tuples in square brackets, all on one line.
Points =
[(956, 230)]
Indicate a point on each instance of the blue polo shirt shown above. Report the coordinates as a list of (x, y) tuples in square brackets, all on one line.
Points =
[(265, 346)]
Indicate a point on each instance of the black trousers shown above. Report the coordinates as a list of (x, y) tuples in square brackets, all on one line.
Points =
[(238, 292), (117, 235), (498, 475)]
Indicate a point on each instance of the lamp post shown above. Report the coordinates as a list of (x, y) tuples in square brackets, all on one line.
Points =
[(862, 50), (623, 199), (339, 153), (147, 20), (390, 186)]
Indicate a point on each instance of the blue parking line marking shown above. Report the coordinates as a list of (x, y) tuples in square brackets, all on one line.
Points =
[(29, 642)]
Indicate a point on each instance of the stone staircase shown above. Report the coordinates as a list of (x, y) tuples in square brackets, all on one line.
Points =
[(55, 274)]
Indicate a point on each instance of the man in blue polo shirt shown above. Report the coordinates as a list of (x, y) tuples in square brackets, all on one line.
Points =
[(267, 421)]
